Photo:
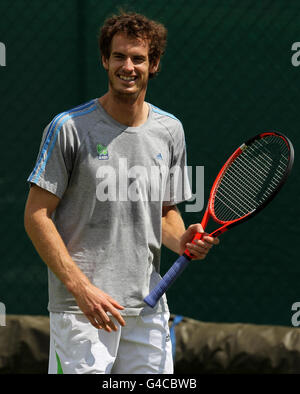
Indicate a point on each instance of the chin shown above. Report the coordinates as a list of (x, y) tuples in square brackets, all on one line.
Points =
[(124, 93), (121, 92)]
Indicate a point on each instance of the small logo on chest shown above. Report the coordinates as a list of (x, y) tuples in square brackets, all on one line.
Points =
[(102, 152)]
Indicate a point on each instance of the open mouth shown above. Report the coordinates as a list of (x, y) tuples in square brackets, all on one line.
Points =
[(127, 78)]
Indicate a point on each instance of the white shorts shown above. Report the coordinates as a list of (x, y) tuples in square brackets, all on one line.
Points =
[(143, 346)]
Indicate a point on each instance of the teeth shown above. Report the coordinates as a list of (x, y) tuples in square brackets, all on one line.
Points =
[(127, 78)]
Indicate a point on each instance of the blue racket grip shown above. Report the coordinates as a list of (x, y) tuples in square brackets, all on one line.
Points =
[(180, 264)]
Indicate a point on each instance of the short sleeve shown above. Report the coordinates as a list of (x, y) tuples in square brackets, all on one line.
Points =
[(54, 163), (177, 184)]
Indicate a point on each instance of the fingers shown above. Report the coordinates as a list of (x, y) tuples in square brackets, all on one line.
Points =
[(200, 248), (101, 314), (114, 312), (118, 317), (195, 228), (105, 321), (101, 320), (210, 240), (101, 309)]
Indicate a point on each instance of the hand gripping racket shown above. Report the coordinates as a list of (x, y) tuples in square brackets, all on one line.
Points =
[(247, 182)]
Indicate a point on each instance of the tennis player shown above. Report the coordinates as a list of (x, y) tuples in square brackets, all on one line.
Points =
[(95, 222)]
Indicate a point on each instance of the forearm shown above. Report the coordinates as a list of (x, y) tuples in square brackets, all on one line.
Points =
[(51, 248), (172, 228)]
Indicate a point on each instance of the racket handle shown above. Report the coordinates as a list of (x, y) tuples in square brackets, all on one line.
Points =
[(180, 264)]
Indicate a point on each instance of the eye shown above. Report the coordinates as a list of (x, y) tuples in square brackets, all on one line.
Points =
[(118, 56), (138, 59)]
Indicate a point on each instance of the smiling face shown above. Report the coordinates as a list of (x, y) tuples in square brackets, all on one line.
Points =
[(128, 66)]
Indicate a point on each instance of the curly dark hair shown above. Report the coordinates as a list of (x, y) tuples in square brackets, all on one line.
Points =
[(134, 25)]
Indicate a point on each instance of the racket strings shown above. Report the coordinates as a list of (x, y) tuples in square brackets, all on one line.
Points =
[(243, 202), (251, 178)]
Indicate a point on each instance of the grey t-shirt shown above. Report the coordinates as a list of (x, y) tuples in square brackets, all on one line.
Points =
[(112, 181)]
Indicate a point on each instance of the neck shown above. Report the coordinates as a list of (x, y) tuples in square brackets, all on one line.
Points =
[(129, 112)]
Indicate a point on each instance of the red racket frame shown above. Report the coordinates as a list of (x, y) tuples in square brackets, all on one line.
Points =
[(209, 212)]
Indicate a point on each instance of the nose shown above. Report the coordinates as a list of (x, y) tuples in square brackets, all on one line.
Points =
[(128, 65)]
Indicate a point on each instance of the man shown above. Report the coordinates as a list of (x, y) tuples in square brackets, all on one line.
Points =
[(91, 217)]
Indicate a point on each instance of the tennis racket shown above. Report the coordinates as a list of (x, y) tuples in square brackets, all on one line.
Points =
[(247, 182)]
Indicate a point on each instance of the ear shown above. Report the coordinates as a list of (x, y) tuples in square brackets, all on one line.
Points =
[(105, 62), (154, 67)]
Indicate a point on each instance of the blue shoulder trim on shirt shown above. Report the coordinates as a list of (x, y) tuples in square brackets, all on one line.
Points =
[(161, 112), (77, 111)]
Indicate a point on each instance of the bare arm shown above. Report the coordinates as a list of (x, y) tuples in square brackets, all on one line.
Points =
[(172, 228), (43, 233), (176, 238)]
